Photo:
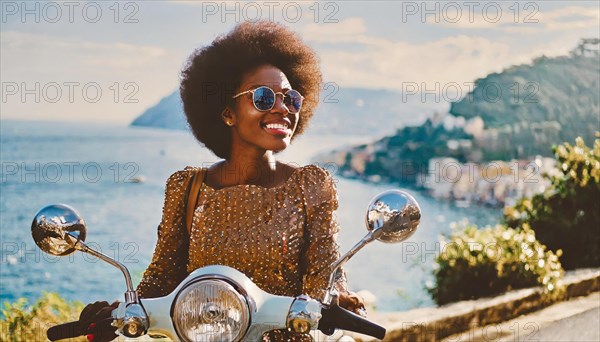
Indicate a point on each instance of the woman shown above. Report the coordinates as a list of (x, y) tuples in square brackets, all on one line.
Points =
[(246, 97)]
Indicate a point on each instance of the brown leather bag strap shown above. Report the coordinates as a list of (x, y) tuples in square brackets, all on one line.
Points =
[(192, 197)]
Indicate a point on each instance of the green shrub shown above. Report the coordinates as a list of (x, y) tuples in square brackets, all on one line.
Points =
[(484, 262), (22, 323), (567, 215)]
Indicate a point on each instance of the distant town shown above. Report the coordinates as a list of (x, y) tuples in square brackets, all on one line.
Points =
[(496, 183)]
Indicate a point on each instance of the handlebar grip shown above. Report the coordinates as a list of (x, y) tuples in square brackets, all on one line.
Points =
[(62, 331), (336, 317)]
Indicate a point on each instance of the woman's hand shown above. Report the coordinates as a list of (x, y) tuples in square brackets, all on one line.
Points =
[(353, 302), (95, 321)]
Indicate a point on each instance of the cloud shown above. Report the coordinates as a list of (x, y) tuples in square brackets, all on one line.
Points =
[(41, 49), (142, 73), (383, 63), (471, 15), (355, 58), (288, 12), (345, 30), (571, 18), (526, 19)]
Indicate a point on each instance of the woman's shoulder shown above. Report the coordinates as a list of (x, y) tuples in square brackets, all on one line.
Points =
[(318, 185), (316, 174), (181, 177)]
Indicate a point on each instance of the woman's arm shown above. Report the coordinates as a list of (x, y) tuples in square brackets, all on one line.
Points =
[(169, 261)]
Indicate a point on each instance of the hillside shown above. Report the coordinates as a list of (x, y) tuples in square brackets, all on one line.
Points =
[(561, 90), (167, 114), (518, 113)]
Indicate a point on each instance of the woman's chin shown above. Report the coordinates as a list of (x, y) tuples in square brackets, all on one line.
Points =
[(280, 146)]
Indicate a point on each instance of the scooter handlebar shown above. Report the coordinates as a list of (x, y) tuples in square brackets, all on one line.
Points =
[(336, 317), (62, 331)]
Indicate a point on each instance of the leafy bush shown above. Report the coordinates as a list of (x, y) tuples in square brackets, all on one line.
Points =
[(484, 262), (22, 323), (567, 215)]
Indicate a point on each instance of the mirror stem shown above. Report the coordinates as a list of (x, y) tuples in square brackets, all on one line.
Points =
[(130, 295), (341, 261)]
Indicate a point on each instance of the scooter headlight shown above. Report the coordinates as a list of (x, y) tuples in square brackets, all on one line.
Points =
[(211, 310)]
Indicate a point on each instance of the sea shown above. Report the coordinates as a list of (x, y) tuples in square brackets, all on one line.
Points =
[(115, 175)]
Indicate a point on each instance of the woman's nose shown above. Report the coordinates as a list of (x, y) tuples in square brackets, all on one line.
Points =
[(279, 106)]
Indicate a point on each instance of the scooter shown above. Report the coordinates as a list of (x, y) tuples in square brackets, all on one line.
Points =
[(219, 303)]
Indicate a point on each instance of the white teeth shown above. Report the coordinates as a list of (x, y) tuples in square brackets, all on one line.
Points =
[(277, 126)]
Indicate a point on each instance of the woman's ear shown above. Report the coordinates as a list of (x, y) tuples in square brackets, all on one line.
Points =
[(228, 117)]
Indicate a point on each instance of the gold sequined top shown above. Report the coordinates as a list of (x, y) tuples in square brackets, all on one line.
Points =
[(283, 238)]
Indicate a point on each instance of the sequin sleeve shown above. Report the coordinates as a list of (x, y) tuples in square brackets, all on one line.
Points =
[(169, 261), (321, 202)]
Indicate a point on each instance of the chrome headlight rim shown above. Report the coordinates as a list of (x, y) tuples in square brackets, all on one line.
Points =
[(242, 295)]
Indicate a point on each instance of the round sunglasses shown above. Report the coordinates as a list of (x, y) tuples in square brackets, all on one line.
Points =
[(264, 99)]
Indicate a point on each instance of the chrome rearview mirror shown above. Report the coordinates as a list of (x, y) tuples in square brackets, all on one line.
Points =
[(392, 217), (57, 228)]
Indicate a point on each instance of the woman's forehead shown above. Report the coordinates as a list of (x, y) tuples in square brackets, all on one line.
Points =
[(266, 75)]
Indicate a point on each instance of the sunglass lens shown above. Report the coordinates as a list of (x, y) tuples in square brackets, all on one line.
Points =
[(263, 98), (293, 101)]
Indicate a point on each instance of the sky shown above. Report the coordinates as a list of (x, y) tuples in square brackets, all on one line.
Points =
[(108, 61)]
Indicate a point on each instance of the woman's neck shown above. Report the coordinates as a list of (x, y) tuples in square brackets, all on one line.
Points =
[(249, 167)]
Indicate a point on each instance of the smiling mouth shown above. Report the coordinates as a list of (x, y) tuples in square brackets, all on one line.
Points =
[(277, 128)]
